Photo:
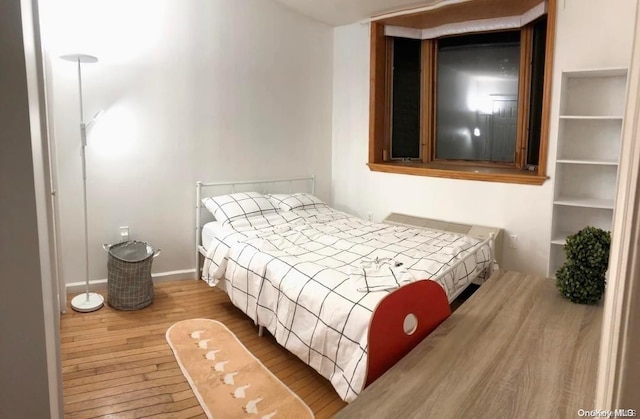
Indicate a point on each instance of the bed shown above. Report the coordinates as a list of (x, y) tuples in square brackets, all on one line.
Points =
[(347, 296)]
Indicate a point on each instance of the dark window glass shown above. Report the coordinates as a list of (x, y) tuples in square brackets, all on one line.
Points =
[(537, 87), (405, 120)]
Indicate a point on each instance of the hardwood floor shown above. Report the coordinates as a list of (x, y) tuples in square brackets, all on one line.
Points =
[(118, 364), (515, 349)]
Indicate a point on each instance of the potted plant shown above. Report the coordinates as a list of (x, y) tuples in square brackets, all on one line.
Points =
[(582, 278)]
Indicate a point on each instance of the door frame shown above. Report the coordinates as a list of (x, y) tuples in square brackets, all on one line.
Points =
[(619, 349)]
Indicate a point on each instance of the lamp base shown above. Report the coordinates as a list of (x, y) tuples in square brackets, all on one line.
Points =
[(86, 302)]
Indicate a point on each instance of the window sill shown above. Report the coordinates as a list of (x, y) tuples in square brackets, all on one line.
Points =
[(454, 171)]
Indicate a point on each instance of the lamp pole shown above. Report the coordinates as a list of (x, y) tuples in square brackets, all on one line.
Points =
[(89, 301)]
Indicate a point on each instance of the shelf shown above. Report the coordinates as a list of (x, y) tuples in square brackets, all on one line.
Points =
[(568, 219), (585, 202), (594, 95), (560, 239), (593, 117), (596, 72), (589, 139), (592, 106), (585, 182), (589, 162)]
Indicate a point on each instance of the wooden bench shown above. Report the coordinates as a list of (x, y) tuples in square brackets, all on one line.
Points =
[(515, 349)]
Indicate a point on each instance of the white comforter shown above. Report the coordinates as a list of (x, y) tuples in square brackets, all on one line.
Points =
[(292, 273)]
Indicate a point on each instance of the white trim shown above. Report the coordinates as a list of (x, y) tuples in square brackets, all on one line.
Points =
[(623, 268), (41, 162), (402, 32), (534, 13), (471, 26), (74, 287), (481, 25)]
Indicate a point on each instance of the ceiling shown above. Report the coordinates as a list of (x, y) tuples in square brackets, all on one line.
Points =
[(342, 12)]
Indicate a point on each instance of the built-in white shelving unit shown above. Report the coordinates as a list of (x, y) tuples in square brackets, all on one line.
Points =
[(589, 132)]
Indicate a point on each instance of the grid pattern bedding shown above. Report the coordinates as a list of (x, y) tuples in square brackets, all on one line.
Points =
[(292, 272)]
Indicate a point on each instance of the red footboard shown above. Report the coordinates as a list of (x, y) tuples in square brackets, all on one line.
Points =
[(388, 341)]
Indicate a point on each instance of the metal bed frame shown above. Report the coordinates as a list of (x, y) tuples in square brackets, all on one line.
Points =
[(263, 186)]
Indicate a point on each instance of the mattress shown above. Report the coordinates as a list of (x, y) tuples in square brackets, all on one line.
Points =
[(209, 232)]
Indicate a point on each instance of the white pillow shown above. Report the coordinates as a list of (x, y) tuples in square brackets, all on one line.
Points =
[(287, 202), (226, 208)]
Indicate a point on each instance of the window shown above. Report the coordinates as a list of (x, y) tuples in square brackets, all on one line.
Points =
[(477, 79), (472, 106)]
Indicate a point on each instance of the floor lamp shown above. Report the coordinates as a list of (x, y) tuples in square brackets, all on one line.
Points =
[(89, 301)]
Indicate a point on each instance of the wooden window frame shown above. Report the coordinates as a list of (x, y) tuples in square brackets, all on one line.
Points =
[(380, 115)]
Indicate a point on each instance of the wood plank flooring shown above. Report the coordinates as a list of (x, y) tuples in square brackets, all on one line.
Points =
[(118, 364), (516, 349)]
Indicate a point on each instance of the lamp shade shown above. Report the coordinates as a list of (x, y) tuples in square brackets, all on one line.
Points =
[(83, 58)]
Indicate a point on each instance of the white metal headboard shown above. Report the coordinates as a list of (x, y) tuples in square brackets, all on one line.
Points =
[(286, 185)]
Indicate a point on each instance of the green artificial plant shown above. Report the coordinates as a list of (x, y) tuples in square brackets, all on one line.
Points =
[(582, 278)]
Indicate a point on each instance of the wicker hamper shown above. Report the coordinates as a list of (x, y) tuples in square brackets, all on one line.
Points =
[(129, 284)]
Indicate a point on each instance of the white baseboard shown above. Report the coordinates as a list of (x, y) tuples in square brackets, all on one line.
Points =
[(101, 284)]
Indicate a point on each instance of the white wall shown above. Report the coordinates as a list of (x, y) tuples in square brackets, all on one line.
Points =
[(193, 90), (590, 33)]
